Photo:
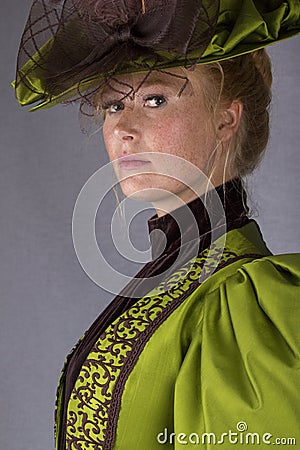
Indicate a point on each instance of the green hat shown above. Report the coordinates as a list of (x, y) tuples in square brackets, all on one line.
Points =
[(70, 48)]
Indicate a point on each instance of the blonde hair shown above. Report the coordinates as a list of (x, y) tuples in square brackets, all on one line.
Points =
[(247, 78)]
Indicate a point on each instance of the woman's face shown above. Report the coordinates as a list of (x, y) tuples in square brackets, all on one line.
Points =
[(157, 119)]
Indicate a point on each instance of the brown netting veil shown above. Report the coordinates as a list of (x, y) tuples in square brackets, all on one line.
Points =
[(70, 48)]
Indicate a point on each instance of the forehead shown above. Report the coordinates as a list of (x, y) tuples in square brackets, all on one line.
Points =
[(176, 80)]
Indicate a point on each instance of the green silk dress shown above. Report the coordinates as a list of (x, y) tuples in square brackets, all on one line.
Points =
[(193, 365)]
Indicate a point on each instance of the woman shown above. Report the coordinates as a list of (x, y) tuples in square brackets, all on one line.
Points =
[(177, 361)]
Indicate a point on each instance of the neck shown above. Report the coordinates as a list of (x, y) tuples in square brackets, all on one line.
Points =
[(221, 208), (171, 202)]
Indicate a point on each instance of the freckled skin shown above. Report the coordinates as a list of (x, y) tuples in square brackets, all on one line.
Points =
[(168, 123)]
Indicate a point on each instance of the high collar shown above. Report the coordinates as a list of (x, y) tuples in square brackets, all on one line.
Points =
[(166, 235)]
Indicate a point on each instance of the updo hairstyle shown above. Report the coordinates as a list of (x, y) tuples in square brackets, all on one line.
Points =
[(247, 78)]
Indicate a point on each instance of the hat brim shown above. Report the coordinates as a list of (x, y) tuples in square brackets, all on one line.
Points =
[(242, 27)]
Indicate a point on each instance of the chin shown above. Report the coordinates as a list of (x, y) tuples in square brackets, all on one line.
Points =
[(143, 193)]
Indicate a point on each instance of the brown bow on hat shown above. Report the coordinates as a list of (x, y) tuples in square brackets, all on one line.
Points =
[(67, 42)]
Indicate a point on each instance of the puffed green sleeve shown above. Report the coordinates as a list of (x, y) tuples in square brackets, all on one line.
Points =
[(239, 384)]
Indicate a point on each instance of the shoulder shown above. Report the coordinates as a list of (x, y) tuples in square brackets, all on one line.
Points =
[(287, 266), (271, 279), (252, 280), (258, 305), (266, 274)]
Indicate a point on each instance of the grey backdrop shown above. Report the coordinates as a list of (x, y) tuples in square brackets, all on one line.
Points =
[(47, 301)]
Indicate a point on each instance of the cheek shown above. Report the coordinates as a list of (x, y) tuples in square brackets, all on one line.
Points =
[(168, 135), (108, 138), (182, 136)]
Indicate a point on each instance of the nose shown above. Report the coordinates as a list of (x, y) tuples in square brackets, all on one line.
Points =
[(124, 135), (126, 130)]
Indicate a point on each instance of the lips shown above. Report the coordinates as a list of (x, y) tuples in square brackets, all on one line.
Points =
[(131, 158), (131, 161)]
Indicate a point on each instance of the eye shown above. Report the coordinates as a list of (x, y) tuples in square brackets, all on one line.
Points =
[(112, 107), (154, 101)]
